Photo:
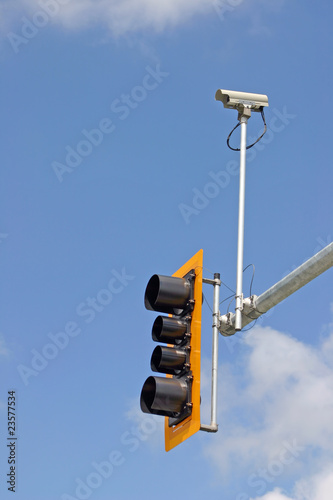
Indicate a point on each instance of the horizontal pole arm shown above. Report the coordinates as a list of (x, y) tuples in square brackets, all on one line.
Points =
[(256, 306)]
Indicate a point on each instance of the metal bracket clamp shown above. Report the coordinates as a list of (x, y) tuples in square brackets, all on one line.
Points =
[(249, 312), (240, 301), (250, 307), (244, 110), (209, 428), (225, 323), (208, 281)]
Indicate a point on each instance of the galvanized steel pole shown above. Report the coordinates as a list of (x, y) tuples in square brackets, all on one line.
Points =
[(213, 427), (256, 306), (240, 246)]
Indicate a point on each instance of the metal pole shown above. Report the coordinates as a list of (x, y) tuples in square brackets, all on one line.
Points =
[(256, 306), (243, 118), (213, 427), (216, 318)]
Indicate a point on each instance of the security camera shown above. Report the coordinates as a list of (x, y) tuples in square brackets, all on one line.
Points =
[(235, 100)]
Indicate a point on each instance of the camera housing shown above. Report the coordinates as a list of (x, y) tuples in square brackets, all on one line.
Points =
[(233, 99)]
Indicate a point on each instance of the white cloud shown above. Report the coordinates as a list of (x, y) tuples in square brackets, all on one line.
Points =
[(276, 413), (317, 487), (25, 18), (120, 16), (281, 391), (274, 495)]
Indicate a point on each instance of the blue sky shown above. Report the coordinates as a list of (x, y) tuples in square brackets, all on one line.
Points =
[(109, 128)]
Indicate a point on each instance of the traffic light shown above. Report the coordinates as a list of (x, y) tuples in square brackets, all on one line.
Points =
[(177, 395)]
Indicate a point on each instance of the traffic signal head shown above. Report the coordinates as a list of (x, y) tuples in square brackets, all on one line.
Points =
[(168, 329), (163, 396), (167, 294), (176, 396)]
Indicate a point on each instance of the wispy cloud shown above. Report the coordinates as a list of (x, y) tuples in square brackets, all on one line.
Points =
[(273, 495), (22, 20), (285, 389), (316, 487), (120, 16), (276, 412)]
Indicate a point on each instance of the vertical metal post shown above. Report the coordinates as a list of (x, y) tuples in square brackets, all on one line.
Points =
[(215, 349), (215, 345), (243, 118)]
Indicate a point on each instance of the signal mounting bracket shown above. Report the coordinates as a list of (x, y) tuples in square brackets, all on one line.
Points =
[(216, 282)]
